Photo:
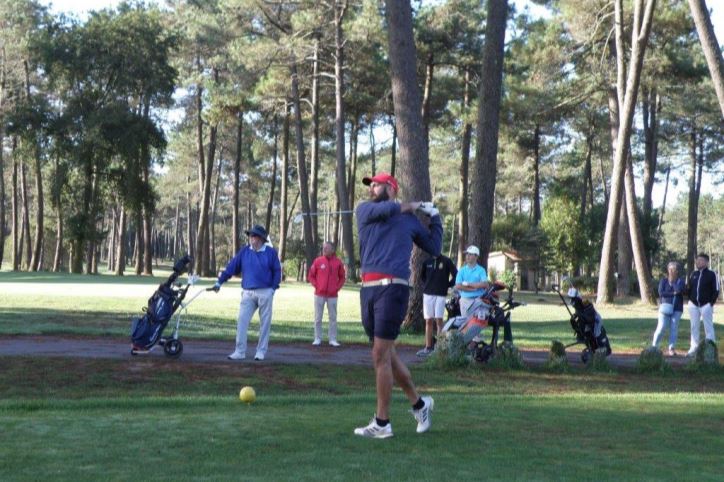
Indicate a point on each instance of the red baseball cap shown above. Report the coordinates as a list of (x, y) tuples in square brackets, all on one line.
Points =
[(382, 178)]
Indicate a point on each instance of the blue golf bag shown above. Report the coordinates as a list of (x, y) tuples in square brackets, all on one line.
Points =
[(146, 330)]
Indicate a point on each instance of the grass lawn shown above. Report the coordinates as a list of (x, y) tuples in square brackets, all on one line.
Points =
[(156, 419), (45, 303), (159, 419)]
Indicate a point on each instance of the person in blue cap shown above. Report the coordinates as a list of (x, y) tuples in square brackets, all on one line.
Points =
[(260, 270)]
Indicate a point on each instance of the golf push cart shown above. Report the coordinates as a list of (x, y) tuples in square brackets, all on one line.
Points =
[(146, 331), (586, 323)]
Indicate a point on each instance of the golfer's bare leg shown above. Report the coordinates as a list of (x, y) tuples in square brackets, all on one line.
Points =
[(440, 324), (382, 359), (403, 378)]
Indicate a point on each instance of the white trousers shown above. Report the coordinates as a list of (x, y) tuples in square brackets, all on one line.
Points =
[(319, 302), (704, 314), (251, 300)]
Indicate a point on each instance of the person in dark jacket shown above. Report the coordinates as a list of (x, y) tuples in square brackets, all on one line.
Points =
[(703, 288), (438, 275), (387, 230), (327, 275), (671, 306), (260, 270)]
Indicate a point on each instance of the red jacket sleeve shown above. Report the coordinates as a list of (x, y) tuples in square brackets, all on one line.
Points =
[(342, 276), (312, 276)]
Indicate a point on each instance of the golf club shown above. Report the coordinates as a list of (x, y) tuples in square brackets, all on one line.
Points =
[(299, 217)]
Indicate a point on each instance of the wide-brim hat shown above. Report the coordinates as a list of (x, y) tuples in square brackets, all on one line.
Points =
[(382, 178), (258, 230)]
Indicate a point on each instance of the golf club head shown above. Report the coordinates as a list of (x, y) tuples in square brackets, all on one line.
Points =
[(555, 287)]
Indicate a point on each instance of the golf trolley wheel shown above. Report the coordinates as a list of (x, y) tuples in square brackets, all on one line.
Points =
[(173, 348), (586, 356)]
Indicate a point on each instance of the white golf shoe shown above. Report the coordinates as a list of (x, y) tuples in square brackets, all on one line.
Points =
[(374, 431), (424, 415), (236, 356), (317, 342), (334, 343)]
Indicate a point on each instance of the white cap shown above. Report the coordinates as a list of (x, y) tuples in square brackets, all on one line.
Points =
[(472, 250)]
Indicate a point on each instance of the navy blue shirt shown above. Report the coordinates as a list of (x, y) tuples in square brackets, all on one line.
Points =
[(258, 269), (672, 293), (386, 236)]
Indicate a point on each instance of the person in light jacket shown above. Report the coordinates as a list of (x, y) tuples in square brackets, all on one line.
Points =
[(671, 306)]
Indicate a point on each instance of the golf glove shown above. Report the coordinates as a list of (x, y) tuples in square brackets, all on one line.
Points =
[(428, 208)]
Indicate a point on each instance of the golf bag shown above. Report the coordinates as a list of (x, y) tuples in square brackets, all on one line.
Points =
[(486, 311), (587, 325), (146, 330)]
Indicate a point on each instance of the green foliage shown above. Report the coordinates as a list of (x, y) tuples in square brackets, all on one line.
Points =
[(450, 352), (557, 360), (651, 360), (706, 358), (566, 241), (508, 277), (599, 363), (507, 356)]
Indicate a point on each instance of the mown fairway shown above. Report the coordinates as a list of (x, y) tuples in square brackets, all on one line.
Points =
[(48, 303), (158, 419)]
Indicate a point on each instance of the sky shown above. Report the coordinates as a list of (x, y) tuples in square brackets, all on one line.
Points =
[(81, 7)]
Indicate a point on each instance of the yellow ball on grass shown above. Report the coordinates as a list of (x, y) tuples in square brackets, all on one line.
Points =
[(247, 395)]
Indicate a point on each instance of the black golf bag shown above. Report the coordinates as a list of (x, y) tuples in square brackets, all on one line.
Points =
[(588, 327), (146, 331)]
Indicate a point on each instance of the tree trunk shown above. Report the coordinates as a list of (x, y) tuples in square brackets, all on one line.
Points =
[(34, 264), (147, 228), (427, 97), (189, 223), (284, 187), (486, 150), (113, 232), (643, 271), (586, 177), (121, 249), (536, 176), (58, 258), (710, 45), (414, 157), (393, 149), (314, 185), (693, 211), (373, 158), (464, 172), (342, 185), (17, 253), (651, 103), (273, 182), (212, 231), (663, 203), (2, 151), (235, 228), (25, 231), (353, 160), (138, 252), (625, 256), (639, 36)]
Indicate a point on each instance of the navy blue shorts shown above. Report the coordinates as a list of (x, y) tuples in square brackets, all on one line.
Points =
[(383, 308)]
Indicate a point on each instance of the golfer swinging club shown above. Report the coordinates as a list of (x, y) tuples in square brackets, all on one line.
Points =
[(387, 230)]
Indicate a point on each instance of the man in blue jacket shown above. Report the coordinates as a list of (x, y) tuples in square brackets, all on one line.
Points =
[(261, 274), (387, 231)]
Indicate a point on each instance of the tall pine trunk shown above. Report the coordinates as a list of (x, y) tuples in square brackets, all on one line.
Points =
[(121, 246), (486, 152), (25, 227), (15, 209), (710, 45), (309, 248), (342, 182), (314, 185), (693, 211), (273, 180), (235, 228), (414, 172), (464, 174), (284, 187)]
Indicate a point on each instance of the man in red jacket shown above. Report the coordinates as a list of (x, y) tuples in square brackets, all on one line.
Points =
[(327, 275)]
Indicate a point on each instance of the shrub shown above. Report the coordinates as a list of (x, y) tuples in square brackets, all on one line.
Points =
[(557, 360), (599, 362), (450, 351), (652, 360), (507, 356), (706, 357)]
